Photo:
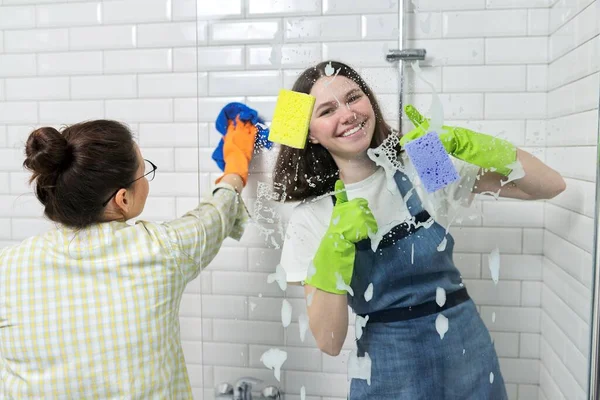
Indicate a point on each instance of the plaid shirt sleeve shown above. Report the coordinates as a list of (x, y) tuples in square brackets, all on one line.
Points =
[(197, 236)]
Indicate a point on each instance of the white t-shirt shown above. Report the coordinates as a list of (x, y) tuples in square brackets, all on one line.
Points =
[(310, 219)]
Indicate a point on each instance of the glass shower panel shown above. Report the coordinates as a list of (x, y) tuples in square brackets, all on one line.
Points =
[(526, 264)]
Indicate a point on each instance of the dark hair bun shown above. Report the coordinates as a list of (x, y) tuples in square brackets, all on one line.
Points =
[(47, 151)]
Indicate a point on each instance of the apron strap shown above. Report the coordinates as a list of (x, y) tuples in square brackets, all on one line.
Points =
[(406, 188)]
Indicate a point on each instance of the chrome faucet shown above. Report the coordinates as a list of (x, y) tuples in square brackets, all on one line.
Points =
[(243, 388)]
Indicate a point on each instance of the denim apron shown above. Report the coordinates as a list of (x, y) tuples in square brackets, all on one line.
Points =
[(409, 360)]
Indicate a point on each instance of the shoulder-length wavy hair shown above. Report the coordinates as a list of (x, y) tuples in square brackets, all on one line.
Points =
[(302, 173)]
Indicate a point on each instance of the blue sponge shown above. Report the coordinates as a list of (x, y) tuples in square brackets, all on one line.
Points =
[(431, 161)]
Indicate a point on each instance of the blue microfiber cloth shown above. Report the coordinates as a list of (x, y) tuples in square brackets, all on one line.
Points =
[(245, 113), (431, 161)]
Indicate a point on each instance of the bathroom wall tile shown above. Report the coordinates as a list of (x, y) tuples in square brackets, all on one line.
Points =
[(484, 79), (180, 184), (359, 6), (451, 51), (563, 380), (67, 63), (576, 228), (327, 28), (37, 88), (18, 206), (103, 87), (423, 25), (158, 208), (359, 54), (251, 332), (484, 240), (39, 40), (529, 344), (135, 11), (146, 60), (531, 294), (190, 160), (76, 14), (485, 23), (102, 37), (533, 241), (320, 383), (245, 32), (521, 50), (224, 8), (580, 197), (506, 343), (569, 257), (180, 34), (537, 78), (283, 56), (298, 358), (568, 289), (575, 97), (511, 319), (68, 112), (180, 134), (435, 5), (23, 228), (517, 3), (282, 7), (581, 62), (515, 267), (163, 157), (455, 105), (11, 159), (538, 21), (515, 105), (379, 26), (514, 214), (547, 383), (520, 370), (140, 110), (18, 112), (571, 324), (17, 65), (17, 17), (185, 84), (486, 292), (211, 58)]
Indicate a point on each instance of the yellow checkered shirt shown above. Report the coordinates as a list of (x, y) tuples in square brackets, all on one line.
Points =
[(94, 313)]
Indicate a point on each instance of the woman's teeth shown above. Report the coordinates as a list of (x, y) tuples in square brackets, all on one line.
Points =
[(353, 130)]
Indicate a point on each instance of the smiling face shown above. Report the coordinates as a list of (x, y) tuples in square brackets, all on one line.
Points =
[(343, 119)]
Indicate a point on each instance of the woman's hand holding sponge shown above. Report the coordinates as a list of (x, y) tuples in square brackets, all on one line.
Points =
[(242, 131), (475, 148)]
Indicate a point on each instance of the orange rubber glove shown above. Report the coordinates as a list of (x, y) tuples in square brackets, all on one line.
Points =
[(238, 148)]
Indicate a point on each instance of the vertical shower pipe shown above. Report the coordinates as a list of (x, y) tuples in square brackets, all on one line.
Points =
[(594, 364), (401, 46), (400, 55)]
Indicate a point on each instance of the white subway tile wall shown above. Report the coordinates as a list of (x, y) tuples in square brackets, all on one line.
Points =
[(524, 70)]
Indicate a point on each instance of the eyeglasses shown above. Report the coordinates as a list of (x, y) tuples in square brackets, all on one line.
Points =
[(149, 171)]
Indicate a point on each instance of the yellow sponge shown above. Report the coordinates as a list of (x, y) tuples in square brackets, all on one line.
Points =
[(291, 119)]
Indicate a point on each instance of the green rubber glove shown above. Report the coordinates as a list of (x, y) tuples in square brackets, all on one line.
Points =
[(333, 263), (475, 148)]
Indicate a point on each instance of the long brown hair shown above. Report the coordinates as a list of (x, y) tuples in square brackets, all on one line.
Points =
[(76, 169), (303, 173)]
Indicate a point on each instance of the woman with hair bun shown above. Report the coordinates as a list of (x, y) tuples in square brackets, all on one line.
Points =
[(91, 308)]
